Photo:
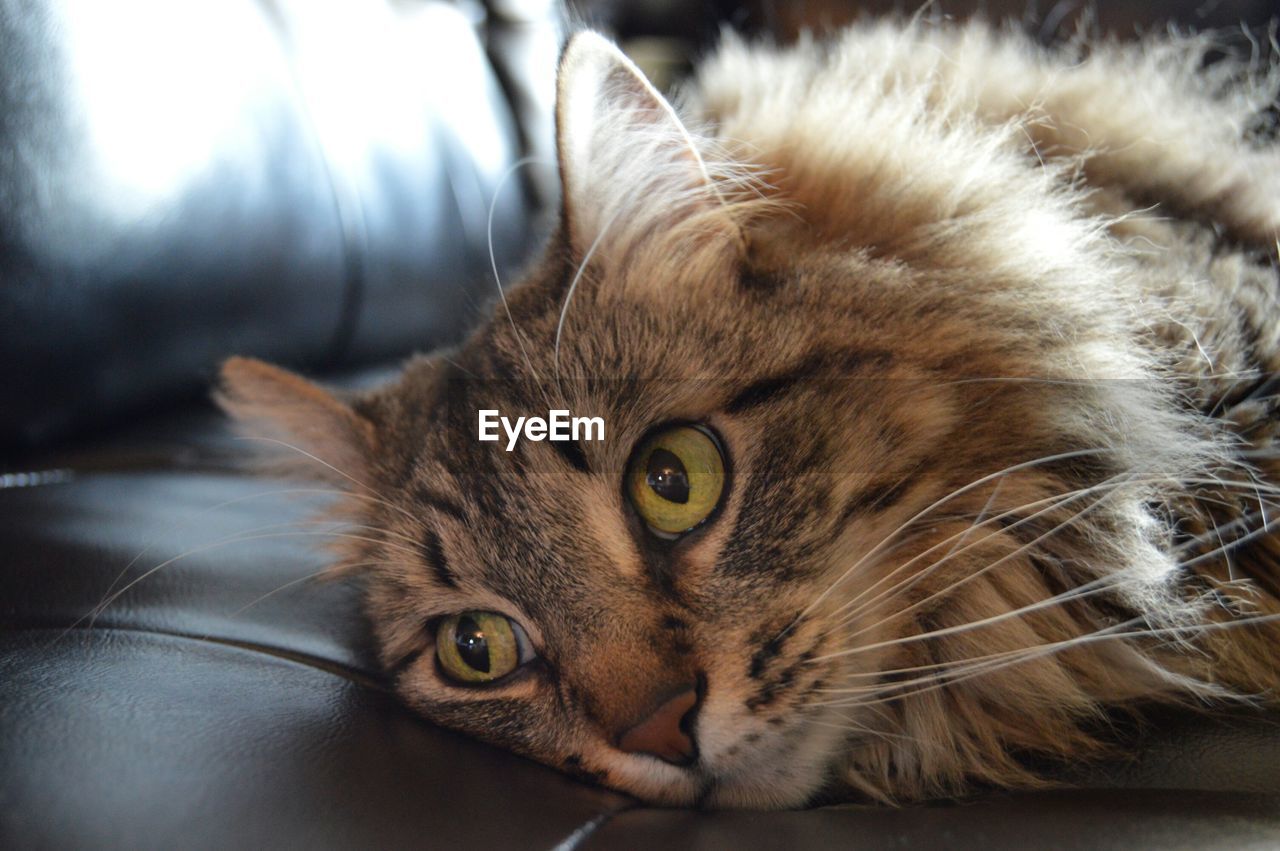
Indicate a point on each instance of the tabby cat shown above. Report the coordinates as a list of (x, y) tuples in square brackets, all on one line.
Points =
[(936, 370)]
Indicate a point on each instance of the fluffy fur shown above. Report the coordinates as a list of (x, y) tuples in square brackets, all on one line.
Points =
[(986, 332)]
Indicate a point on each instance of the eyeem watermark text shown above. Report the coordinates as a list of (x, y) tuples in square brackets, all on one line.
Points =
[(559, 425)]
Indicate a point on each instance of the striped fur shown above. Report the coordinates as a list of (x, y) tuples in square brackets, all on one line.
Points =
[(987, 332)]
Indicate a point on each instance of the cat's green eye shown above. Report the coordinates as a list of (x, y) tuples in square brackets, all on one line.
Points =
[(480, 647), (676, 479)]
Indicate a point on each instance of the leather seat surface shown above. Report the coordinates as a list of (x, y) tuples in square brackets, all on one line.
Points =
[(314, 183), (228, 698)]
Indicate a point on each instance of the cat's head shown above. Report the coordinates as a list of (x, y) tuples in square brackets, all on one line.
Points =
[(723, 600)]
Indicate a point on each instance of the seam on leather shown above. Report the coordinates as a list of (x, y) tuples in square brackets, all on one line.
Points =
[(585, 830), (328, 666)]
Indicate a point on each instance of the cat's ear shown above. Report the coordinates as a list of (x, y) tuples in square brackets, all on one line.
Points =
[(326, 435), (627, 162)]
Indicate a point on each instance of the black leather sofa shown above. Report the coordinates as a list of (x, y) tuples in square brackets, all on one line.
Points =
[(311, 183)]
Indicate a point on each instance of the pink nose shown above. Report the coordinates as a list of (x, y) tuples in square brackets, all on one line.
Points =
[(663, 734)]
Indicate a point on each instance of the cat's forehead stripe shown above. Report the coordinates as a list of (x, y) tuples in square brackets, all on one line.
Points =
[(432, 550), (427, 497), (571, 452), (829, 365)]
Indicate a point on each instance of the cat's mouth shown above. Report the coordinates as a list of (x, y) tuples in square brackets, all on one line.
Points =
[(781, 761)]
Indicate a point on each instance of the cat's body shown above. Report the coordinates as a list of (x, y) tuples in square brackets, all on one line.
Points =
[(981, 339)]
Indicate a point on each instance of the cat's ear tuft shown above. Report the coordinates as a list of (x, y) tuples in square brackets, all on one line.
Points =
[(328, 438), (627, 162)]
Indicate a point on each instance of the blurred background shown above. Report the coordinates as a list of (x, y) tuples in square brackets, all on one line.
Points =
[(328, 185), (670, 33)]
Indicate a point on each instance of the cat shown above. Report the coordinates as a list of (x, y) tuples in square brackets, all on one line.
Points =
[(936, 370)]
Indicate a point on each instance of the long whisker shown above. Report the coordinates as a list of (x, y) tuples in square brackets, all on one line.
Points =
[(874, 551), (291, 583), (1110, 633), (315, 458), (1055, 502), (962, 669), (977, 524), (259, 495), (854, 726), (1097, 586), (993, 565), (1218, 482), (232, 539), (1101, 585)]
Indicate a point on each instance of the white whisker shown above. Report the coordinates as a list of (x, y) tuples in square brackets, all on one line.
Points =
[(493, 260), (1055, 502), (989, 567), (874, 551), (1111, 633), (252, 535), (1088, 589)]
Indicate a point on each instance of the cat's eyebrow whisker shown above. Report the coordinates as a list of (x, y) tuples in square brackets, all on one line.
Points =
[(573, 287), (876, 550), (493, 259)]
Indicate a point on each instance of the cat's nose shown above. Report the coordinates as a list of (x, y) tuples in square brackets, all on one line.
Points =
[(667, 732)]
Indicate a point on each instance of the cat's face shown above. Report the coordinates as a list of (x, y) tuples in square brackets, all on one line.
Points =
[(622, 595), (689, 609)]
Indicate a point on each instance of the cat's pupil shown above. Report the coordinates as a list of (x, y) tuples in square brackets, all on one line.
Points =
[(473, 647), (667, 476)]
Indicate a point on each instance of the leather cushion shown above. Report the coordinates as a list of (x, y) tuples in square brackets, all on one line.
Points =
[(227, 699), (305, 182)]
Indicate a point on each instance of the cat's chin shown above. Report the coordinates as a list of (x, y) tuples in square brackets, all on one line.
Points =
[(668, 786), (740, 790), (750, 793)]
